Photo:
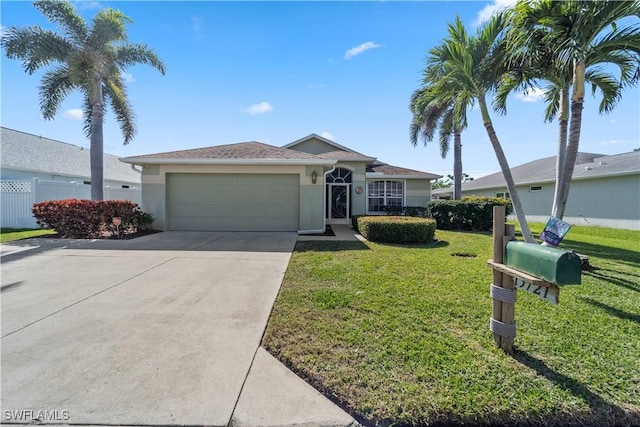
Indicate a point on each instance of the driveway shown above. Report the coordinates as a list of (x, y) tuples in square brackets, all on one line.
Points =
[(161, 329)]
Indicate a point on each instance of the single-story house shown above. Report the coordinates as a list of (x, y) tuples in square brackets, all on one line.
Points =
[(252, 186), (34, 168), (605, 189), (26, 156)]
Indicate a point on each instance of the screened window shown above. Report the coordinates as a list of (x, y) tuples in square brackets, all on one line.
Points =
[(384, 194), (503, 195)]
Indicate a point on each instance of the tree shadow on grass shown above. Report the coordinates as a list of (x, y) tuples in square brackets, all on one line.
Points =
[(601, 251), (621, 314), (631, 284), (602, 412)]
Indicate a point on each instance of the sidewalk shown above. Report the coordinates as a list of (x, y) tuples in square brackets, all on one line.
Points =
[(343, 232)]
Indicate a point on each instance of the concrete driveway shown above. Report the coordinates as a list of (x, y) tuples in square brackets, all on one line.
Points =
[(159, 330)]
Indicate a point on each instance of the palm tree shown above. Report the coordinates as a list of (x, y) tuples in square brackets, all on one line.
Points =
[(90, 59), (570, 44), (463, 69), (429, 115)]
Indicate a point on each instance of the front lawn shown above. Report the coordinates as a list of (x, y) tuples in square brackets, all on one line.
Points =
[(399, 334), (11, 234)]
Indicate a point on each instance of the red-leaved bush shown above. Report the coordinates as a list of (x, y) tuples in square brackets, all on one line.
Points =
[(87, 218)]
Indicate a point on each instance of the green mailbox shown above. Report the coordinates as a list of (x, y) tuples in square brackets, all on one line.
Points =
[(549, 264)]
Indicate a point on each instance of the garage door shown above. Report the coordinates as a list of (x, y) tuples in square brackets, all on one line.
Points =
[(233, 202)]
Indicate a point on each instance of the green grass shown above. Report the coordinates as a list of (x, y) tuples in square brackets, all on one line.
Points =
[(399, 334), (11, 234)]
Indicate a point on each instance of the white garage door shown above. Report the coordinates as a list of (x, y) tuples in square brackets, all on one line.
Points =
[(233, 202)]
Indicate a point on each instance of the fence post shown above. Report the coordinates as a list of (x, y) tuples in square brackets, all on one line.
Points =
[(503, 310)]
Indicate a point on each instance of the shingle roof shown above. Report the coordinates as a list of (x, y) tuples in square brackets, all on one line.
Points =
[(588, 165), (33, 153), (241, 150), (345, 155), (389, 170)]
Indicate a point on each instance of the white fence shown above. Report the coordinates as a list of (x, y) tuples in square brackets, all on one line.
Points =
[(18, 198)]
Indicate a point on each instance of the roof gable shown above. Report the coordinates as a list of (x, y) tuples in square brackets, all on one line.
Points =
[(33, 153), (323, 147)]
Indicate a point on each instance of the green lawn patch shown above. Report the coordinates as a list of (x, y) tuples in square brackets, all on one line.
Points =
[(400, 334), (11, 234)]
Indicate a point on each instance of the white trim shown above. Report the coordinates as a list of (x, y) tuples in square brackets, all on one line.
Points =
[(179, 161), (384, 178)]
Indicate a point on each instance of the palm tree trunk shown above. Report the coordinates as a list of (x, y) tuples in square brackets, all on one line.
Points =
[(563, 121), (506, 172), (577, 104), (97, 144), (457, 165)]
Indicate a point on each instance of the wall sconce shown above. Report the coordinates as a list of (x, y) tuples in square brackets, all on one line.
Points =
[(314, 177)]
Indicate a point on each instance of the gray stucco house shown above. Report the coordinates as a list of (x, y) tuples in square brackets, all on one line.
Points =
[(35, 169), (252, 186), (27, 156), (605, 189)]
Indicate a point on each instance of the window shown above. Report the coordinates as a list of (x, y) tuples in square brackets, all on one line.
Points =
[(340, 175), (503, 195), (535, 188), (384, 194), (87, 182), (125, 186)]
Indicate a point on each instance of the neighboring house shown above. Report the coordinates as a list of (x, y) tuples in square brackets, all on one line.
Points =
[(605, 190), (252, 186), (27, 156), (34, 168)]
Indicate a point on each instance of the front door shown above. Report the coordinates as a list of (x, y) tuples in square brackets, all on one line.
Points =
[(338, 203)]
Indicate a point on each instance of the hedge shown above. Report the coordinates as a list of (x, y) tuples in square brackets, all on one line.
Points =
[(418, 211), (471, 213), (87, 218), (396, 229)]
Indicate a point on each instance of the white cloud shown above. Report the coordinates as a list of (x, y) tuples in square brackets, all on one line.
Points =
[(614, 142), (87, 5), (531, 95), (357, 50), (197, 23), (127, 77), (73, 114), (327, 135), (260, 108), (492, 8)]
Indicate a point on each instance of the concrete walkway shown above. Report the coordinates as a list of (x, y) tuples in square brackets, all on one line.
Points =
[(343, 232), (159, 330)]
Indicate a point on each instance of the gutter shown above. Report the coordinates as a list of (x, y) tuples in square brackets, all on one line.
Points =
[(267, 162)]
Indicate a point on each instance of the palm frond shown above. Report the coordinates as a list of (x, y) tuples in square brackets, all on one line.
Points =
[(134, 54), (63, 13), (54, 88), (109, 26), (35, 47), (116, 94)]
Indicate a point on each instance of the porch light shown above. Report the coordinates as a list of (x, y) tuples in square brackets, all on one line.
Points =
[(314, 177)]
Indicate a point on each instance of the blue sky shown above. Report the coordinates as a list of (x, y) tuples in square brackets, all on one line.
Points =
[(278, 71)]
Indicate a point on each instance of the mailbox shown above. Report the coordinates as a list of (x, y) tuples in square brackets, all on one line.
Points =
[(550, 264)]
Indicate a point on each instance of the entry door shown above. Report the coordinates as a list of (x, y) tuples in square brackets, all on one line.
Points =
[(338, 203)]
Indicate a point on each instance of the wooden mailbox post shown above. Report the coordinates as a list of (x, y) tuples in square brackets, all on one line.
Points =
[(525, 266)]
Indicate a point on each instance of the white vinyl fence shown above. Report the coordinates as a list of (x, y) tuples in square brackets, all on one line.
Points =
[(18, 198)]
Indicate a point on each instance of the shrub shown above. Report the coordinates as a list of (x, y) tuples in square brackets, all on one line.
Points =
[(417, 211), (87, 218), (354, 222), (470, 213), (397, 229)]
